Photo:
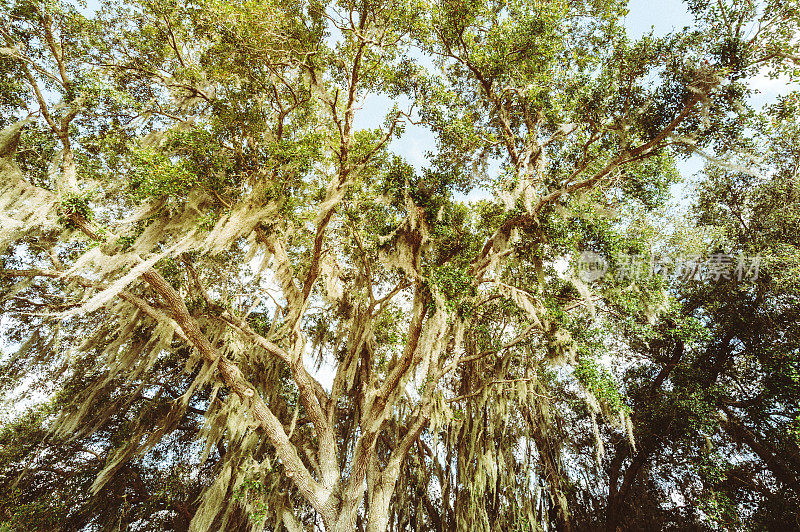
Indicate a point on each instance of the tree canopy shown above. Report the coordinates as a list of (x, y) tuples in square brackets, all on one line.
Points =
[(246, 309)]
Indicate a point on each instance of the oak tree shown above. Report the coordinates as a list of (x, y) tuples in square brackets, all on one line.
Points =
[(209, 232)]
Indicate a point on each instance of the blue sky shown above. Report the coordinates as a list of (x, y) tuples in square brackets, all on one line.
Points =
[(663, 17)]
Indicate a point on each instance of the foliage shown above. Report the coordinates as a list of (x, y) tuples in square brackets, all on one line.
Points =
[(246, 309)]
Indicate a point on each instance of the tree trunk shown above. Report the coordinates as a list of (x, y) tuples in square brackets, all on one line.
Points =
[(550, 460), (782, 471)]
